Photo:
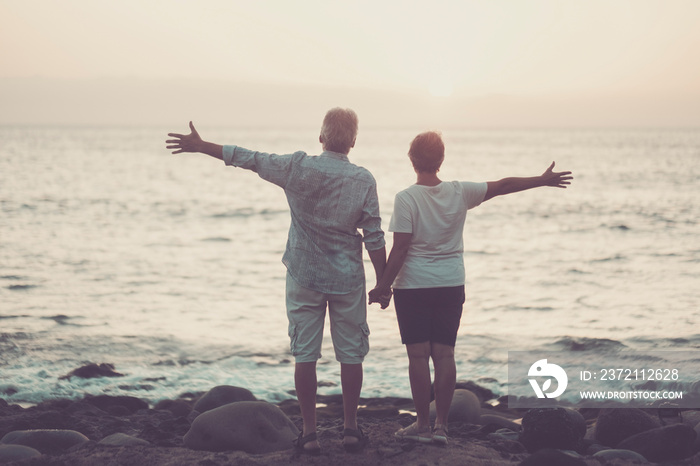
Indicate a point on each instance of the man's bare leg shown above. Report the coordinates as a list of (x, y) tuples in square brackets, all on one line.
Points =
[(351, 380), (306, 384)]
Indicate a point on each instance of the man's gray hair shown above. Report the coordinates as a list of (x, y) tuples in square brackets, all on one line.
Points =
[(339, 130)]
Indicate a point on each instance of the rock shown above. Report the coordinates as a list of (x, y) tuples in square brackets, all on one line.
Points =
[(504, 443), (465, 407), (45, 440), (84, 409), (92, 371), (558, 428), (504, 434), (117, 405), (615, 454), (179, 408), (669, 443), (10, 453), (122, 440), (696, 445), (691, 418), (551, 457), (250, 426), (616, 424), (222, 395), (592, 448), (487, 419), (484, 394)]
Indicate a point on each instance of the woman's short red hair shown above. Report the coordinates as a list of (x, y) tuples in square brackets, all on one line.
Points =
[(427, 152)]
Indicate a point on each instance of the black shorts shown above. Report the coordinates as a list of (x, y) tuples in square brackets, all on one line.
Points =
[(429, 314)]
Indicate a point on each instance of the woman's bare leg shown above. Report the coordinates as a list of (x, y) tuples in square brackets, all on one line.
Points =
[(445, 379), (419, 376)]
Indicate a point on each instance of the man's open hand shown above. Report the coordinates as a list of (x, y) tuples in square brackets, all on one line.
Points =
[(185, 142)]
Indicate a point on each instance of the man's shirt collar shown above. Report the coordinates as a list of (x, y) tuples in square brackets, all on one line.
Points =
[(334, 155)]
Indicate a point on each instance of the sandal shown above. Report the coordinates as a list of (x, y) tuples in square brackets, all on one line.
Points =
[(440, 434), (301, 441), (415, 433), (359, 435)]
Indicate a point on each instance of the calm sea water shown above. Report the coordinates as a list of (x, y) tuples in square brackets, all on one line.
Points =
[(114, 251)]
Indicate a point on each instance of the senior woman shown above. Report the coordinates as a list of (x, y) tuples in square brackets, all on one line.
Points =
[(426, 268)]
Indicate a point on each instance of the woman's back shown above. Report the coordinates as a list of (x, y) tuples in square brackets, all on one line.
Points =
[(434, 215)]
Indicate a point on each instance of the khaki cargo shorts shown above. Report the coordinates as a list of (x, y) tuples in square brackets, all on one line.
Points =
[(306, 310)]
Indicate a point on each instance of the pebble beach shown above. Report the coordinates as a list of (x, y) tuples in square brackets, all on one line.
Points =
[(228, 426)]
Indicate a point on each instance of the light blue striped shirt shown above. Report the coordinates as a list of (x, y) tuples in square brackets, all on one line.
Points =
[(329, 199)]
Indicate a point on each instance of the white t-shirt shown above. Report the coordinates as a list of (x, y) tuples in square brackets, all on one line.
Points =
[(435, 216)]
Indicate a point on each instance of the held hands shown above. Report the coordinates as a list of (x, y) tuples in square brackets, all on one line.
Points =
[(185, 142), (381, 296), (556, 179)]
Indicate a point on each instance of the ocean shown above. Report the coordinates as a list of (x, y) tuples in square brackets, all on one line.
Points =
[(112, 250)]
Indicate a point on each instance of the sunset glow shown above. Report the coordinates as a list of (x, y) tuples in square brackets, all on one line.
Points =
[(616, 60), (440, 87)]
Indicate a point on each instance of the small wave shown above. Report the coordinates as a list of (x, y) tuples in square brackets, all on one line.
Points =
[(12, 277), (620, 227), (61, 319), (531, 308), (616, 257), (578, 271), (636, 356), (142, 282), (247, 212), (481, 253), (9, 337), (689, 341), (220, 239), (21, 287), (588, 344), (660, 254)]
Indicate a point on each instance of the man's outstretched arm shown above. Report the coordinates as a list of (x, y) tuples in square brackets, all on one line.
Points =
[(514, 185), (193, 143)]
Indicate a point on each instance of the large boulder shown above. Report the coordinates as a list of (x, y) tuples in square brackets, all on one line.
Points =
[(92, 370), (10, 453), (250, 426), (45, 440), (557, 428), (551, 457), (222, 395), (117, 405), (465, 407), (123, 440), (616, 424), (617, 454), (178, 408), (499, 422), (668, 443)]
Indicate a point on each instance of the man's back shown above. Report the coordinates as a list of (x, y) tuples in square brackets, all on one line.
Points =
[(329, 199)]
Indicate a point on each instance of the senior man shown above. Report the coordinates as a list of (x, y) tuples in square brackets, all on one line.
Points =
[(330, 199)]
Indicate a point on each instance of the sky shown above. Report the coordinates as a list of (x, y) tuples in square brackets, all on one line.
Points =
[(510, 62)]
